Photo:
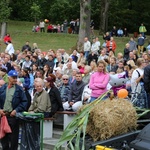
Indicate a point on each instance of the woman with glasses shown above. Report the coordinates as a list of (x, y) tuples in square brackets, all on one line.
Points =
[(64, 88)]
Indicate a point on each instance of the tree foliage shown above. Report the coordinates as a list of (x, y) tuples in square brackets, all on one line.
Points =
[(21, 10), (121, 13), (35, 11), (5, 10), (129, 13)]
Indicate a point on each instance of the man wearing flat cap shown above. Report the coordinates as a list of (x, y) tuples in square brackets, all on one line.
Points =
[(12, 101)]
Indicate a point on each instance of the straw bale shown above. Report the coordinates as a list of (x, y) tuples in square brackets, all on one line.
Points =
[(110, 118)]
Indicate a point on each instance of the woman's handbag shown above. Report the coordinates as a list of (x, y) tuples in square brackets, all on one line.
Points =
[(139, 99)]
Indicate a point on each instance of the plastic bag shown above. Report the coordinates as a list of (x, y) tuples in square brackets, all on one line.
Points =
[(4, 127)]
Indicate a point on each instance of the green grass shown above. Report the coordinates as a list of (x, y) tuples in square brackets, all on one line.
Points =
[(21, 32)]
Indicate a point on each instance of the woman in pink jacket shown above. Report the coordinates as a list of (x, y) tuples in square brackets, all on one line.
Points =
[(99, 80)]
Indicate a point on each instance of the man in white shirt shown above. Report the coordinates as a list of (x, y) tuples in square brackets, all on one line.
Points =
[(65, 55), (42, 26), (87, 47), (94, 47), (98, 42), (10, 48)]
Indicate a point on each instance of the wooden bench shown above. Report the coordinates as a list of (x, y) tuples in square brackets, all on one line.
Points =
[(68, 117), (48, 127)]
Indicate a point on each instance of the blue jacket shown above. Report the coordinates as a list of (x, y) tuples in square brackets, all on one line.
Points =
[(64, 97), (31, 80), (19, 100), (26, 83)]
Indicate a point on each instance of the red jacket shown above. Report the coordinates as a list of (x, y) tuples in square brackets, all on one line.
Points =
[(49, 27), (7, 38), (111, 45)]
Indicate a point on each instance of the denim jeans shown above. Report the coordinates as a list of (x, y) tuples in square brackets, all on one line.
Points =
[(94, 98), (86, 54)]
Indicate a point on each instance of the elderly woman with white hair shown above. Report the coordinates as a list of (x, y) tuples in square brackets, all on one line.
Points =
[(58, 74)]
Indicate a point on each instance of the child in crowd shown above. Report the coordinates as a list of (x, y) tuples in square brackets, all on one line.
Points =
[(128, 83)]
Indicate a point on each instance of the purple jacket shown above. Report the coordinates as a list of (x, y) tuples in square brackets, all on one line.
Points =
[(98, 83)]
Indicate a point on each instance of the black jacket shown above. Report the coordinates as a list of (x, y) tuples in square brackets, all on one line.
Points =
[(42, 62), (126, 54), (26, 47), (91, 58), (146, 78), (56, 103)]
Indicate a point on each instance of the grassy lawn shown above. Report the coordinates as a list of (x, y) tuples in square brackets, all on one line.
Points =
[(21, 32)]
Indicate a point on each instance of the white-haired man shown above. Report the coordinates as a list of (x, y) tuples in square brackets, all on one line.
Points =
[(41, 101)]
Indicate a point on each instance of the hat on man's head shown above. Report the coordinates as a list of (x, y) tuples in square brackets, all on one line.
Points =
[(12, 73)]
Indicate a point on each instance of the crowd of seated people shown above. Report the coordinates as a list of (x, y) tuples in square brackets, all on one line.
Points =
[(119, 32), (65, 78)]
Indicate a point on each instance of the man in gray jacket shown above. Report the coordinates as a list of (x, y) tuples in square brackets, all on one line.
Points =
[(75, 95), (133, 44)]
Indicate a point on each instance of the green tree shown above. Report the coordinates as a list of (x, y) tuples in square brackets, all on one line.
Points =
[(4, 16), (21, 9), (129, 14), (35, 11), (64, 9), (95, 11)]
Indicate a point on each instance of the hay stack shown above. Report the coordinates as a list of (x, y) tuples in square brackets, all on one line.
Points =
[(110, 118)]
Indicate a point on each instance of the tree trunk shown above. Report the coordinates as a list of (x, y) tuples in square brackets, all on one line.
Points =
[(3, 29), (85, 18), (103, 16)]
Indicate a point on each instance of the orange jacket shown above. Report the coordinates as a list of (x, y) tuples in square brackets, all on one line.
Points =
[(111, 47)]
